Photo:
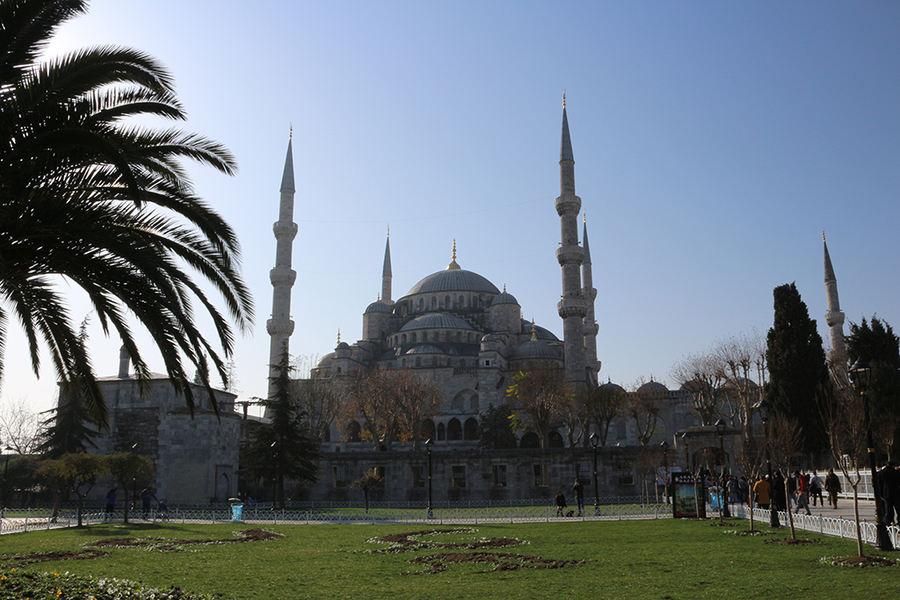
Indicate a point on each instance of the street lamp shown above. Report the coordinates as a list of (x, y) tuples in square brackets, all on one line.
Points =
[(724, 512), (665, 448), (763, 407), (276, 483), (595, 439), (861, 373), (428, 444), (7, 449)]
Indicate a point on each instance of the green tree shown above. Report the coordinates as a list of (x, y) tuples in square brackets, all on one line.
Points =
[(127, 467), (78, 472), (283, 449), (92, 197), (876, 342), (797, 368), (495, 429), (369, 481)]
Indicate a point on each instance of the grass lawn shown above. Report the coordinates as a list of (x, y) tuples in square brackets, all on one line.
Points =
[(657, 559)]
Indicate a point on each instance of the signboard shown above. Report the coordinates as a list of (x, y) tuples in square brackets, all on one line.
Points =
[(687, 498)]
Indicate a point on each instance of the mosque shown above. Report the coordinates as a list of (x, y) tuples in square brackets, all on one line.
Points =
[(455, 327)]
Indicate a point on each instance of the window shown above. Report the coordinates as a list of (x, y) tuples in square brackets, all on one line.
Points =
[(499, 475), (621, 433), (381, 472), (459, 476), (454, 430), (340, 477), (541, 475), (417, 473), (626, 473), (583, 473)]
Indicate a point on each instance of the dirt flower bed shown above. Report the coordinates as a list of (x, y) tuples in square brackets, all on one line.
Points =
[(858, 561), (414, 540), (170, 545), (15, 561), (499, 561)]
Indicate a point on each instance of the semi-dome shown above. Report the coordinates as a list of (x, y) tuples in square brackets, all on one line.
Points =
[(535, 349), (425, 349), (455, 280), (539, 332), (614, 387), (378, 307), (437, 321)]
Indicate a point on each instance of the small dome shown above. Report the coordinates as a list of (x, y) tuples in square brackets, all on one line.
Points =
[(378, 307), (504, 298), (653, 387), (326, 361), (535, 349), (424, 349), (455, 280), (436, 321), (343, 346), (613, 386)]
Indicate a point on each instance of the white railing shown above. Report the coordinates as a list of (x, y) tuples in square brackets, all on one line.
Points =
[(831, 526)]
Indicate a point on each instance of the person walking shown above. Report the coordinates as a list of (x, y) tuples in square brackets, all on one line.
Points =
[(560, 504), (815, 489), (802, 493), (111, 502), (761, 493), (778, 492), (832, 486)]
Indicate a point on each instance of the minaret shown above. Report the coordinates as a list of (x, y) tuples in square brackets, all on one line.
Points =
[(571, 307), (834, 317), (590, 324), (280, 326), (386, 272)]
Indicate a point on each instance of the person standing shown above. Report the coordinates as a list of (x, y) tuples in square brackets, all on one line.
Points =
[(778, 492), (110, 502), (146, 495), (832, 486), (560, 504), (802, 493), (889, 483), (579, 496)]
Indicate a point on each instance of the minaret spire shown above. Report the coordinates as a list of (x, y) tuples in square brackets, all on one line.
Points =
[(280, 326), (571, 307), (590, 324), (386, 276), (834, 317)]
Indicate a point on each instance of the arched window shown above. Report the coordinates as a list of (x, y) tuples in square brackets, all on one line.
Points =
[(462, 301), (403, 339), (447, 301), (424, 336), (442, 432), (413, 338), (454, 430), (471, 429), (434, 302), (556, 440), (530, 440)]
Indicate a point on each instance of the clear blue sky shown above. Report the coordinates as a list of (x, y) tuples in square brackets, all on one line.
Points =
[(713, 143)]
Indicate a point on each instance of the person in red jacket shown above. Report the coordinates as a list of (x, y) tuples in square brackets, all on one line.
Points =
[(802, 492)]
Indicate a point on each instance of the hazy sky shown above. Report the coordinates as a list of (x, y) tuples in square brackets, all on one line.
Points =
[(714, 141)]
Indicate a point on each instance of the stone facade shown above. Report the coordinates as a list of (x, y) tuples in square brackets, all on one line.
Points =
[(195, 458)]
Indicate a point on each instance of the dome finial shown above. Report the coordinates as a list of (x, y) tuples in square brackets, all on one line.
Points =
[(339, 336), (453, 266), (389, 230), (291, 132), (823, 235), (564, 98), (504, 288), (533, 331)]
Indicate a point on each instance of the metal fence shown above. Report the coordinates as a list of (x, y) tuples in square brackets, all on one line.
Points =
[(831, 526)]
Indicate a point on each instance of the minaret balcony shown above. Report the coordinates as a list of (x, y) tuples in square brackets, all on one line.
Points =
[(570, 255), (274, 327), (569, 204), (282, 276), (571, 307), (284, 230)]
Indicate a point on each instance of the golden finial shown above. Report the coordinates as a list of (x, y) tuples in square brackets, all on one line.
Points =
[(533, 331), (378, 297), (823, 235), (339, 336), (504, 288), (453, 266), (389, 230), (564, 98), (291, 134), (584, 217)]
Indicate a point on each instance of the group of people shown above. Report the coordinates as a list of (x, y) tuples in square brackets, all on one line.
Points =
[(800, 488), (560, 499), (146, 496)]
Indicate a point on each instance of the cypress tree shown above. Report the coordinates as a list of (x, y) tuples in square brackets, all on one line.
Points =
[(798, 371)]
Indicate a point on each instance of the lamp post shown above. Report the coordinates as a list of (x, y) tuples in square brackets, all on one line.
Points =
[(861, 373), (724, 512), (6, 450), (276, 483), (428, 444), (763, 407), (595, 439), (665, 448)]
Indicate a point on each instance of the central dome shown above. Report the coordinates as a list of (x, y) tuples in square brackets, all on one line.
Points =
[(456, 280)]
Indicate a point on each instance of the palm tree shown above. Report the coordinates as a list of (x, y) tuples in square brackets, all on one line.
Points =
[(90, 198)]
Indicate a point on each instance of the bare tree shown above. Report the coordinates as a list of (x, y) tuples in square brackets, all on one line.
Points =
[(321, 399), (644, 406), (785, 443), (19, 427), (702, 375), (602, 404), (574, 416), (843, 414), (539, 397), (742, 357), (648, 461)]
